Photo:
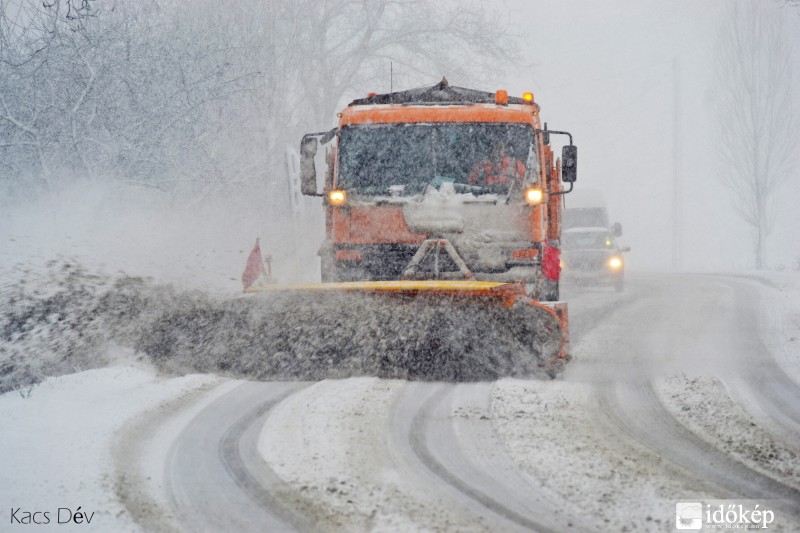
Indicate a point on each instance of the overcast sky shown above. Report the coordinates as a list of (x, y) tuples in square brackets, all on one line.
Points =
[(608, 73)]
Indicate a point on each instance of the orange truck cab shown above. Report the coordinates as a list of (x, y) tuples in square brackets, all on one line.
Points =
[(441, 183)]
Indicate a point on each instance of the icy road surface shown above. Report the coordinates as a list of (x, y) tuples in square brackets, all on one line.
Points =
[(683, 388)]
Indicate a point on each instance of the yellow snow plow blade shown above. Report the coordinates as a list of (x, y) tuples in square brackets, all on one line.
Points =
[(503, 293), (391, 285)]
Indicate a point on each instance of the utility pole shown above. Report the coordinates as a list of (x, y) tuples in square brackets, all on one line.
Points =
[(676, 159)]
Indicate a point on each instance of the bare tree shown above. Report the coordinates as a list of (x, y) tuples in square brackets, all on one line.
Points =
[(204, 95), (350, 43), (312, 55), (109, 89), (758, 125)]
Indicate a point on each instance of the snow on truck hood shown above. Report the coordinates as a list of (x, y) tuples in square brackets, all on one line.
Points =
[(440, 211)]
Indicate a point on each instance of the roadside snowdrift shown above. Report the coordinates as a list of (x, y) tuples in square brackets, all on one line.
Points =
[(57, 443)]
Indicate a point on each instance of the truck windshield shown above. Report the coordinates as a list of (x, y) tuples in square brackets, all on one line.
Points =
[(590, 240), (404, 159), (585, 217)]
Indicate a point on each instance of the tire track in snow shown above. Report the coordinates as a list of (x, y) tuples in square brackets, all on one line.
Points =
[(460, 451), (588, 309), (237, 491), (140, 452), (761, 385), (238, 450), (336, 445), (659, 336), (635, 410)]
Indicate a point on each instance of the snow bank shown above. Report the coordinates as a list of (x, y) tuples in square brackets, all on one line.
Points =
[(779, 319), (703, 405), (56, 442)]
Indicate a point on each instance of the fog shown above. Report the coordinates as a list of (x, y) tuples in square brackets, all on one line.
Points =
[(623, 78), (609, 75)]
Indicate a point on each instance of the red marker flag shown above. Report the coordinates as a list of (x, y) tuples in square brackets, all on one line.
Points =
[(254, 268)]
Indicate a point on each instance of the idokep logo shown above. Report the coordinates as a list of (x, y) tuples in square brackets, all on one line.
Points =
[(725, 515), (689, 515)]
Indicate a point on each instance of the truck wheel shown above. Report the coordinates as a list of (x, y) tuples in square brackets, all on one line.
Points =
[(549, 291)]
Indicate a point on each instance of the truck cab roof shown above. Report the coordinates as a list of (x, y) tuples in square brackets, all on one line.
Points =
[(440, 94)]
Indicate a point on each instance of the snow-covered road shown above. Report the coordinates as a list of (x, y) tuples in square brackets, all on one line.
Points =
[(683, 388)]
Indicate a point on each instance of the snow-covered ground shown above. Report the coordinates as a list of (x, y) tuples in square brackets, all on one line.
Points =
[(685, 387), (346, 449), (57, 440), (779, 318)]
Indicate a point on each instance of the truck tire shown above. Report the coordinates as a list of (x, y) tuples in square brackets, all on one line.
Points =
[(550, 292)]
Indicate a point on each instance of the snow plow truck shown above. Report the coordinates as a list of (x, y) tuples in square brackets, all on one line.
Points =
[(440, 260)]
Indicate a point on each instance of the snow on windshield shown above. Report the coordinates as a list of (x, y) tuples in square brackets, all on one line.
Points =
[(403, 159)]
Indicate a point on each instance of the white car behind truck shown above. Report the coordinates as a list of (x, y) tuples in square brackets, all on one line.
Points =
[(590, 253)]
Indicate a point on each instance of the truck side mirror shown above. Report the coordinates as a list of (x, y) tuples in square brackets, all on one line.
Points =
[(625, 249), (308, 171), (616, 229), (569, 164), (326, 138)]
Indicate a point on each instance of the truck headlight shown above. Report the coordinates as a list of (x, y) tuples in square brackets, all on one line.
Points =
[(337, 197), (533, 196), (615, 263)]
